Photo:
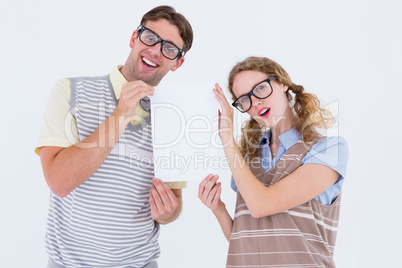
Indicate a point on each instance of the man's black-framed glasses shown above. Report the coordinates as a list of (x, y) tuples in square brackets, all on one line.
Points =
[(261, 91), (150, 38)]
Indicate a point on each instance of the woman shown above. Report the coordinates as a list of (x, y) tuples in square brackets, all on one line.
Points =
[(288, 178)]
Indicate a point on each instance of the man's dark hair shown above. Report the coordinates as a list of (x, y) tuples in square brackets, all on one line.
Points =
[(169, 13)]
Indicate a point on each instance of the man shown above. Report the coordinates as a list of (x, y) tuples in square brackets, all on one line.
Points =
[(105, 205)]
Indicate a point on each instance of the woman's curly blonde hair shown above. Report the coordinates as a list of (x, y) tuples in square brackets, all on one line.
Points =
[(310, 115)]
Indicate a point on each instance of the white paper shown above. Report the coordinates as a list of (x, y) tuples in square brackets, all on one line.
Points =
[(185, 132)]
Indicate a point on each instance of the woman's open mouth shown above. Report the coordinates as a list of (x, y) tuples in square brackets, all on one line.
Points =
[(264, 112)]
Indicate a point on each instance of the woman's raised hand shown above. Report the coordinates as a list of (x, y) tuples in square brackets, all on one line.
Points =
[(225, 116)]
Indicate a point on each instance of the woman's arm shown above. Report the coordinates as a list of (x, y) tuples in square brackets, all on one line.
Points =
[(302, 185), (209, 193), (305, 183)]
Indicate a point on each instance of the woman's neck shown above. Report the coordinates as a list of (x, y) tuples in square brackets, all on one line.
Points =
[(287, 122)]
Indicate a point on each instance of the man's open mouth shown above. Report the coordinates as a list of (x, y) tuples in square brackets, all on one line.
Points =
[(148, 62)]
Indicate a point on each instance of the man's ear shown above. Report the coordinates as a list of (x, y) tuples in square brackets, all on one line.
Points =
[(178, 63), (133, 39)]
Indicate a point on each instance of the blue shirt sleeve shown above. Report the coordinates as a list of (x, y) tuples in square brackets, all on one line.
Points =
[(233, 184), (332, 152)]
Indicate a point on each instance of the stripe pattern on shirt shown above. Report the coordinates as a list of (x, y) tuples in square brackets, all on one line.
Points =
[(106, 221), (303, 236)]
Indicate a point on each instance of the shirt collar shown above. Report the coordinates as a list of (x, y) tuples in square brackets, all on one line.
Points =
[(265, 138), (287, 139), (117, 79)]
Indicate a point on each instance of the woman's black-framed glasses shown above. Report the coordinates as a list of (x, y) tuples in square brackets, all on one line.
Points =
[(261, 91), (150, 38)]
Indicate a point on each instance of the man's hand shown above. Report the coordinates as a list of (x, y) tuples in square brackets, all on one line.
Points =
[(131, 94), (165, 205)]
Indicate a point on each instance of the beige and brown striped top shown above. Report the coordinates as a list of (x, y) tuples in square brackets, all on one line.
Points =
[(303, 236)]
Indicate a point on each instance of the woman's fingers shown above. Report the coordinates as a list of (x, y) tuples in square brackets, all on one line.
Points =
[(212, 193), (206, 187), (226, 108), (217, 197), (221, 96), (201, 188)]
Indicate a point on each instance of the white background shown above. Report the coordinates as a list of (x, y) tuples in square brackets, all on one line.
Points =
[(345, 51)]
